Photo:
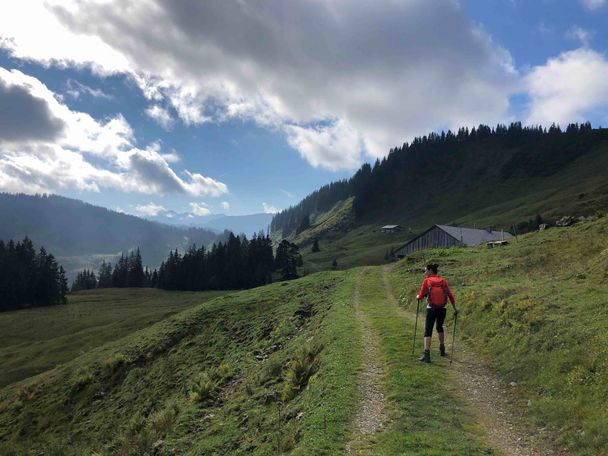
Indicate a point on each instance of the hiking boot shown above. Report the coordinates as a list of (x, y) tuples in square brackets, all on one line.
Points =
[(442, 350), (426, 357)]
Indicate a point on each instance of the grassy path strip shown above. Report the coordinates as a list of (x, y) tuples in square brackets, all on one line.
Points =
[(426, 417), (371, 416), (485, 396)]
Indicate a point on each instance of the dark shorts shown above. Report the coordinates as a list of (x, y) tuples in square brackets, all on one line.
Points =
[(434, 314)]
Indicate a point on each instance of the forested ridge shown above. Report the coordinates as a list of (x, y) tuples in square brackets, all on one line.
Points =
[(465, 162)]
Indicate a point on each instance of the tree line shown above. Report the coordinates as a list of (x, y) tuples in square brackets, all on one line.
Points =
[(238, 263), (29, 278), (513, 150), (127, 272)]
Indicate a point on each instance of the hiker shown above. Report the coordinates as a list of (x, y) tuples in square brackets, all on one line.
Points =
[(437, 292)]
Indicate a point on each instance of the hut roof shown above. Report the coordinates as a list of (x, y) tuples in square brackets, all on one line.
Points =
[(472, 237), (467, 236)]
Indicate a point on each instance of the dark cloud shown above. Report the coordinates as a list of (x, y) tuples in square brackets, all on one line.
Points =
[(155, 172), (24, 117), (152, 170)]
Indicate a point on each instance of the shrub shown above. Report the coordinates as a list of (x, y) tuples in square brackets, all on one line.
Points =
[(204, 389), (272, 372), (304, 365), (113, 364), (163, 420), (82, 379), (222, 372)]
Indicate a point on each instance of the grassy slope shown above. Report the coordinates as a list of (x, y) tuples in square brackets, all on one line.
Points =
[(241, 350), (339, 239), (238, 353), (537, 310), (35, 340), (331, 223)]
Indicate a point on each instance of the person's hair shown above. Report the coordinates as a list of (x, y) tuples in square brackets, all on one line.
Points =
[(432, 267)]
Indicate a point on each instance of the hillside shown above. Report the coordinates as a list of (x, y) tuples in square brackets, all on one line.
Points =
[(502, 177), (324, 364), (82, 235)]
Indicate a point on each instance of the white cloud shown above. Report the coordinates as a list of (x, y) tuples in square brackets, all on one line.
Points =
[(45, 146), (580, 34), (31, 31), (225, 205), (592, 5), (269, 209), (287, 194), (171, 157), (150, 209), (331, 74), (567, 88), (334, 147), (160, 115), (75, 89), (199, 209)]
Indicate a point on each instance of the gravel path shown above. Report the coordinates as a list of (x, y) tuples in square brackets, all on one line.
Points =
[(371, 416), (488, 399)]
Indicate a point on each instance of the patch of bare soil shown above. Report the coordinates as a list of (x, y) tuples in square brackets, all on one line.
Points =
[(371, 416), (489, 400)]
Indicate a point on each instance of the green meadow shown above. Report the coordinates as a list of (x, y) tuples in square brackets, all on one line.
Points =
[(37, 339), (278, 369)]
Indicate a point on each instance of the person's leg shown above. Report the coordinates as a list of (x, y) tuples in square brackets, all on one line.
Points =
[(427, 342), (440, 333), (428, 332)]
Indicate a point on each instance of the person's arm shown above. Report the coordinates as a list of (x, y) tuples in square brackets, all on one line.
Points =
[(423, 290)]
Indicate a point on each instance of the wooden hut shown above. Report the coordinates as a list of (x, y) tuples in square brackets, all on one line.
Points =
[(449, 236), (390, 228)]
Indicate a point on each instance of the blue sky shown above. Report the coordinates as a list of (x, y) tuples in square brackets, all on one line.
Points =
[(241, 107)]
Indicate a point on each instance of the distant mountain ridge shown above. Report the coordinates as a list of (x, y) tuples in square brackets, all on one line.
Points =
[(82, 235), (247, 224)]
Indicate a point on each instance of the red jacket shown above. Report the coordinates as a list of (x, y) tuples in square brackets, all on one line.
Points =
[(435, 280)]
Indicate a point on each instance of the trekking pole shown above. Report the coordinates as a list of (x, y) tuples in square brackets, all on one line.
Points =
[(453, 337), (415, 327)]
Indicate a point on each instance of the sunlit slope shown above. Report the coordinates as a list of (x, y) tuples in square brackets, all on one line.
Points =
[(536, 310)]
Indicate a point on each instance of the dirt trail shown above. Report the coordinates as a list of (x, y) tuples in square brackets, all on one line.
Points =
[(487, 398), (372, 415)]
